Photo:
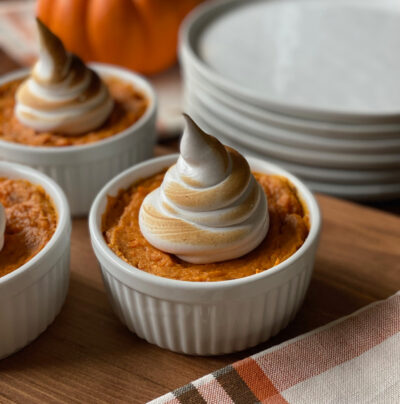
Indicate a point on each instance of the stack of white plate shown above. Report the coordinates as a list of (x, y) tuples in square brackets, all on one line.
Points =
[(311, 85)]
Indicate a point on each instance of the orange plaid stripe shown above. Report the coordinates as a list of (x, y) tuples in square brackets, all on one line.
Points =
[(269, 376), (257, 380)]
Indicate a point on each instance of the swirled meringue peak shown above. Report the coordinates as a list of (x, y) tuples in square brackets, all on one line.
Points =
[(2, 225), (209, 207), (61, 95)]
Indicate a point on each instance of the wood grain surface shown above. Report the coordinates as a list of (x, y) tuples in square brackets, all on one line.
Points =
[(88, 356)]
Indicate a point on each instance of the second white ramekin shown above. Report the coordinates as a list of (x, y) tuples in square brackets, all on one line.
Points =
[(204, 318), (82, 170), (32, 295)]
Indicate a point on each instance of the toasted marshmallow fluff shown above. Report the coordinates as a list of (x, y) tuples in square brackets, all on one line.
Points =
[(2, 225), (61, 95), (209, 207)]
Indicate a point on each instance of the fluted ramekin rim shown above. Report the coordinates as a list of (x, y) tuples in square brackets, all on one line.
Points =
[(59, 200), (102, 68), (104, 252)]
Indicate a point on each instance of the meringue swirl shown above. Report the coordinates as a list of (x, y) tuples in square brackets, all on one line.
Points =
[(2, 225), (61, 95), (209, 207)]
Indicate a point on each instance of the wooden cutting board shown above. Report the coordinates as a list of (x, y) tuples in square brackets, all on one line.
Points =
[(88, 356)]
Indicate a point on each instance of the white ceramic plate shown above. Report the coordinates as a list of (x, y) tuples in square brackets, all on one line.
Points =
[(336, 59), (332, 130), (296, 154), (308, 173), (285, 136), (359, 190)]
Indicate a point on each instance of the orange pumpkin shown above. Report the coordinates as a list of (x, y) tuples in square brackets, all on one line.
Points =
[(139, 34)]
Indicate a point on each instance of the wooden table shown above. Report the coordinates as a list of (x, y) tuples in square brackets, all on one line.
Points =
[(88, 356)]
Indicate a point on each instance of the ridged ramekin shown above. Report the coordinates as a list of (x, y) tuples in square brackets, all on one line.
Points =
[(204, 318), (82, 170), (32, 295)]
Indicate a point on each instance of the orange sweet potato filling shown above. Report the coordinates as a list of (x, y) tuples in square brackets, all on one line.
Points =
[(289, 226), (31, 222), (129, 105)]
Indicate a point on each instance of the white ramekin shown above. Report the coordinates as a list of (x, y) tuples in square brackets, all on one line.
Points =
[(204, 318), (82, 170), (32, 295)]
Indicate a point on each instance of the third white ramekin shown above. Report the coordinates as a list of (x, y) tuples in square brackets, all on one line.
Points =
[(32, 295), (82, 170), (204, 318)]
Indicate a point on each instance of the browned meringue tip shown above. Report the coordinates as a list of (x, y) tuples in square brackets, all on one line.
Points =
[(199, 138), (53, 45), (192, 126), (189, 120), (47, 37)]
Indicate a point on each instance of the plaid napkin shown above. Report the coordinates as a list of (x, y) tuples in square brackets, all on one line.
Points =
[(355, 359)]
